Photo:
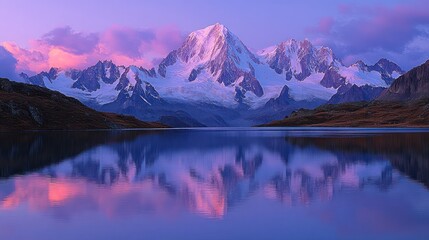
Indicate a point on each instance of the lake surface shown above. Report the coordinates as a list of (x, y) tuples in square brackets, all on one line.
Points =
[(215, 184)]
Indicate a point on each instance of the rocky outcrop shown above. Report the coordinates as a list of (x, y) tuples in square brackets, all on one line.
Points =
[(90, 78), (411, 86), (354, 93), (39, 78), (166, 62), (332, 79), (140, 95), (281, 101)]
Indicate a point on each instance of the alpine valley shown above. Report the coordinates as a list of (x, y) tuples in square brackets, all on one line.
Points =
[(213, 79)]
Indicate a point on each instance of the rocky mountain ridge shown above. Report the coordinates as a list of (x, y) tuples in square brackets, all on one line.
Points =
[(214, 69)]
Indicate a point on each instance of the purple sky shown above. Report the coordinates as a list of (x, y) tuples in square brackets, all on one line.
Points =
[(45, 33)]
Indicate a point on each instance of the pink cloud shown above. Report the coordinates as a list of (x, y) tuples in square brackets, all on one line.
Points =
[(27, 60), (7, 64), (325, 26), (345, 8), (65, 48), (67, 39), (362, 29), (61, 58), (127, 41), (167, 38)]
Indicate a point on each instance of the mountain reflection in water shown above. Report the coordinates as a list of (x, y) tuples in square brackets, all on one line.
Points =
[(210, 173)]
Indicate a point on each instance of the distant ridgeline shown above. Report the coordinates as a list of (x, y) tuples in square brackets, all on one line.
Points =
[(213, 79), (404, 104)]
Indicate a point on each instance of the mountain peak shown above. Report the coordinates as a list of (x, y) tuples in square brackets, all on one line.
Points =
[(218, 26), (388, 65), (383, 61), (297, 43), (215, 30), (207, 43), (104, 62), (214, 43), (360, 65), (298, 59), (306, 43), (289, 42), (215, 51)]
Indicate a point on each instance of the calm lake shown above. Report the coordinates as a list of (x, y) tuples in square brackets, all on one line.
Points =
[(215, 184)]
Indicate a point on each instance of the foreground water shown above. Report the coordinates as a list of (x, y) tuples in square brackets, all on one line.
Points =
[(215, 184)]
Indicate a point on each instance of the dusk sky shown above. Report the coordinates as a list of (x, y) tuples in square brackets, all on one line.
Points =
[(36, 35)]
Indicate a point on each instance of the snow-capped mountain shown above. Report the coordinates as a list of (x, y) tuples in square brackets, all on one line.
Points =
[(299, 59), (214, 75), (216, 53), (101, 84), (214, 66), (389, 70)]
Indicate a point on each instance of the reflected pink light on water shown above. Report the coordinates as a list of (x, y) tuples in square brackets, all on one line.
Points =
[(62, 191)]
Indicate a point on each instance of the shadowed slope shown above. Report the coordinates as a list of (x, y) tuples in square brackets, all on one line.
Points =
[(29, 107)]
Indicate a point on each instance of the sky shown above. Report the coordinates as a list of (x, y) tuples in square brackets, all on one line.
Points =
[(37, 35)]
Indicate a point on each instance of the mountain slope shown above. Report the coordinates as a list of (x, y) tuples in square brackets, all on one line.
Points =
[(374, 114), (28, 107), (410, 86), (404, 104), (356, 94)]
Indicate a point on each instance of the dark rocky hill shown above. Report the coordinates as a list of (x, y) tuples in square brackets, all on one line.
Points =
[(413, 85), (29, 107), (363, 114)]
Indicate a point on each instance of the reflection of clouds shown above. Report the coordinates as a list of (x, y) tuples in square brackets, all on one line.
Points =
[(61, 191), (6, 187), (34, 193), (69, 196), (129, 178)]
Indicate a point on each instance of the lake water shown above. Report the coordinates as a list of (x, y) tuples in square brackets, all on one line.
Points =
[(215, 184)]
